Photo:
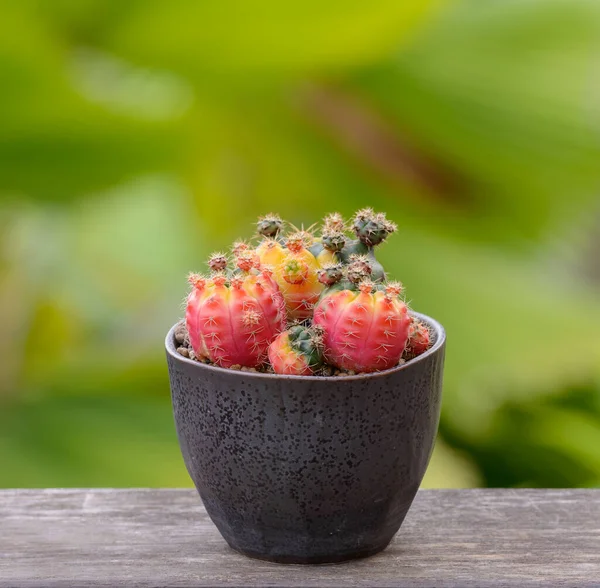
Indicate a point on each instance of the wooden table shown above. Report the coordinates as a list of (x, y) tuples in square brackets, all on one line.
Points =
[(165, 538)]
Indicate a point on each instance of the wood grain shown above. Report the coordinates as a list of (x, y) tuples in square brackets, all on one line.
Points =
[(165, 538)]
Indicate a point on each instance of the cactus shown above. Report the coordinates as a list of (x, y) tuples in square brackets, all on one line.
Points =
[(360, 268), (363, 331), (418, 339), (217, 262), (232, 321), (269, 225), (371, 229), (295, 271), (334, 222), (332, 243), (297, 351), (239, 246), (248, 261), (337, 276), (332, 287), (330, 274), (270, 252)]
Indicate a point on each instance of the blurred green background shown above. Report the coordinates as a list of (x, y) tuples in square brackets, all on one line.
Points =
[(136, 137)]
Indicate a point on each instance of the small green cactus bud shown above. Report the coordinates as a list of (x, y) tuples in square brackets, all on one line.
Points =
[(269, 225), (333, 241), (359, 269), (331, 273), (372, 228)]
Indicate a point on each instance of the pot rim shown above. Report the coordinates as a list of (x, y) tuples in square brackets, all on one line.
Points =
[(435, 326)]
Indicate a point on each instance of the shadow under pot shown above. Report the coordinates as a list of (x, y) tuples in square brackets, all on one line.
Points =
[(307, 469)]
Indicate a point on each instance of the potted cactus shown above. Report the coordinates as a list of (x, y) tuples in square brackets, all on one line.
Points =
[(306, 394)]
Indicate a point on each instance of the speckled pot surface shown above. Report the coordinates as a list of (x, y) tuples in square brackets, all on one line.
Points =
[(302, 469)]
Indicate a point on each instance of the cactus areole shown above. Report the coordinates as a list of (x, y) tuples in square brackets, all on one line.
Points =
[(297, 303)]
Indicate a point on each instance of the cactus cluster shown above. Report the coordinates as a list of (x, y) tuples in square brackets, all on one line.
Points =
[(300, 304)]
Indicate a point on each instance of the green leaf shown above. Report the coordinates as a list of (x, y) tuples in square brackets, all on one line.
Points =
[(449, 469), (92, 290), (53, 142), (97, 441), (505, 96), (265, 35)]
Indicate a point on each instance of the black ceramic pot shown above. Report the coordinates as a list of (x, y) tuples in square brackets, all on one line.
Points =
[(303, 469)]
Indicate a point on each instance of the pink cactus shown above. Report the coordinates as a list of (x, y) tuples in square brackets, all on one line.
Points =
[(364, 331), (232, 322), (418, 339)]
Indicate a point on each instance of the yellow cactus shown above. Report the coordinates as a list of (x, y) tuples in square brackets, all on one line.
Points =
[(295, 271)]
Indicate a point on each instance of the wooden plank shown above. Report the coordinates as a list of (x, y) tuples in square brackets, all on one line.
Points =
[(155, 538)]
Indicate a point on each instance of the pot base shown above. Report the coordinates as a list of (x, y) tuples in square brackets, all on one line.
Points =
[(321, 559)]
